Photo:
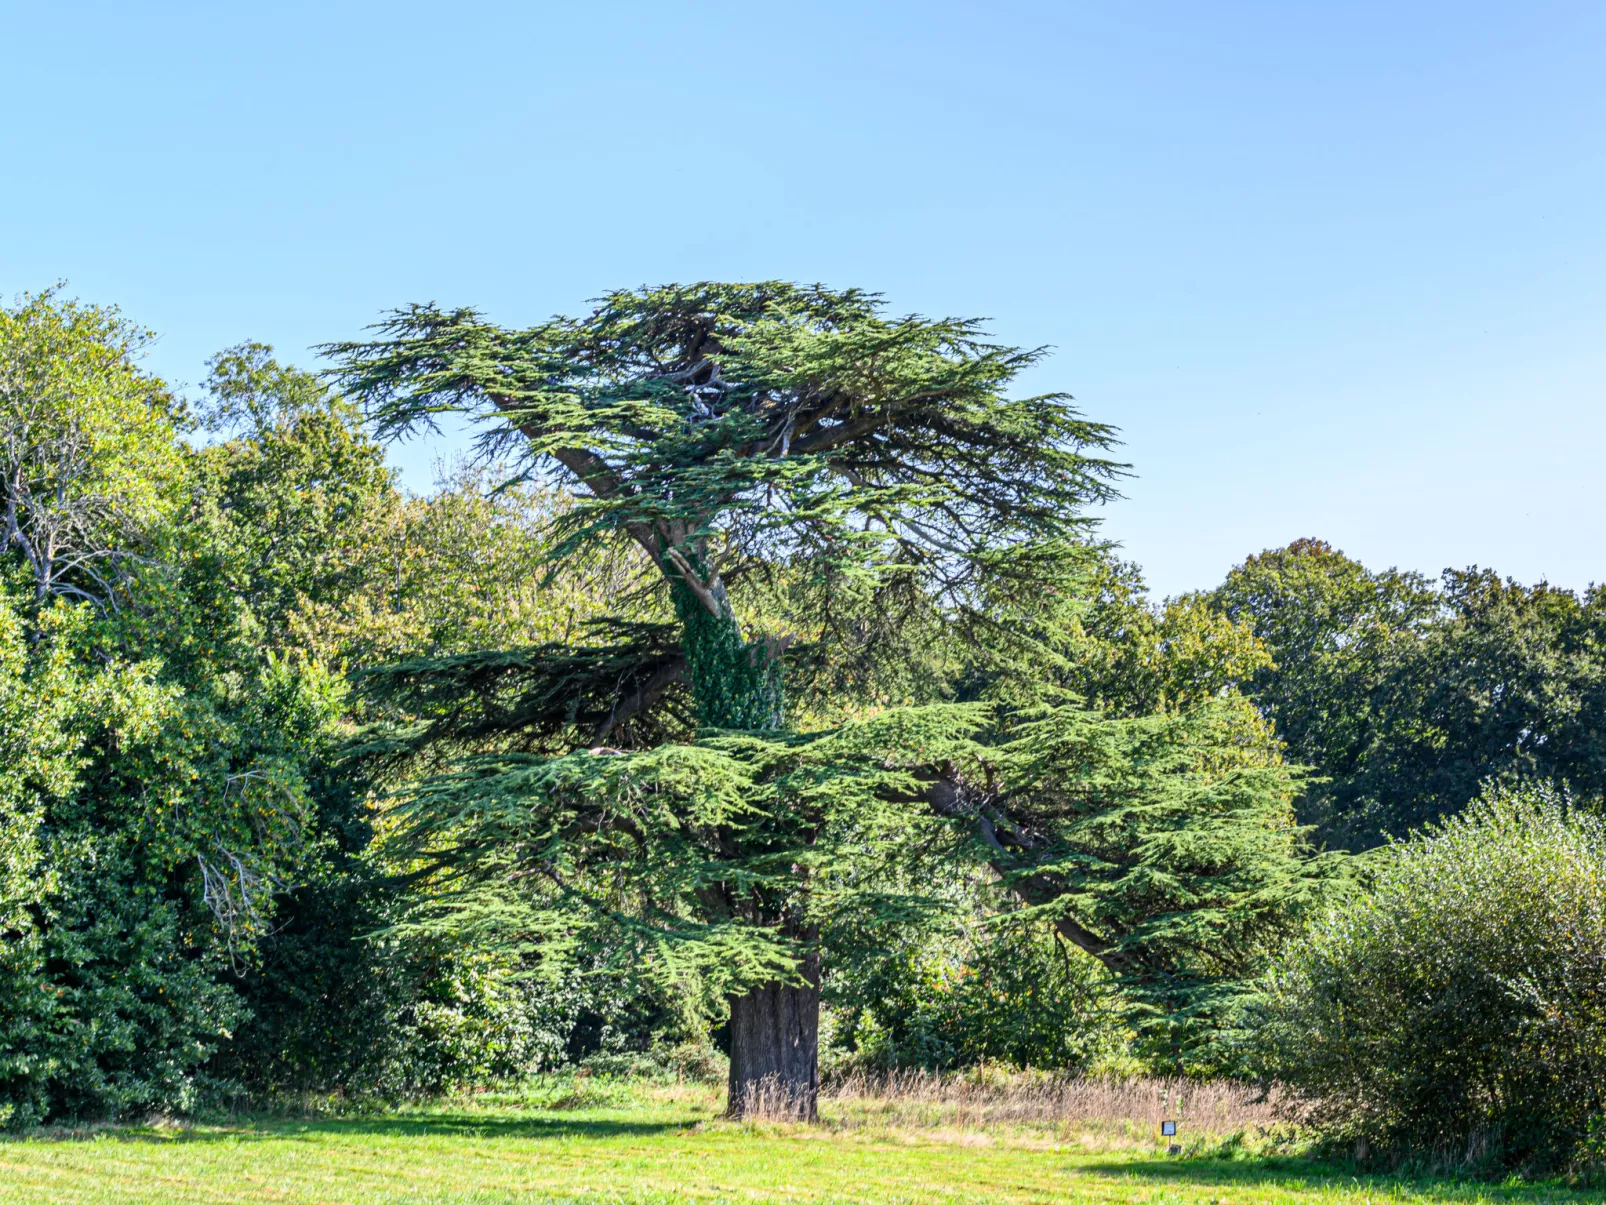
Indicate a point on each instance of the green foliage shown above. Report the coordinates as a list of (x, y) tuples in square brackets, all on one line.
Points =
[(127, 816), (748, 404), (459, 571), (306, 554), (1163, 845), (1127, 656), (721, 858), (1405, 696), (1014, 994), (157, 796), (287, 503), (122, 1001), (1456, 1011), (333, 1010), (1510, 683), (89, 460), (39, 700), (337, 1001), (734, 684), (784, 440)]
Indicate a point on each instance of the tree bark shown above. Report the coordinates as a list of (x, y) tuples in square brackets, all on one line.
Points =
[(775, 1048)]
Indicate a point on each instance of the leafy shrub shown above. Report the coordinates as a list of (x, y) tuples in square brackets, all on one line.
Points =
[(114, 968), (1016, 997), (336, 1007), (1455, 1012), (337, 1012)]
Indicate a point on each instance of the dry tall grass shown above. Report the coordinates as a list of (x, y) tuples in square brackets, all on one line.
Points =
[(985, 1098), (771, 1099)]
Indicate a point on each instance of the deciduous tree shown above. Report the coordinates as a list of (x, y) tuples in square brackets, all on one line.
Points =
[(88, 454)]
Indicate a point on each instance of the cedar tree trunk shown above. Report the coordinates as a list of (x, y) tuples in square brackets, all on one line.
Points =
[(775, 1047), (775, 1027)]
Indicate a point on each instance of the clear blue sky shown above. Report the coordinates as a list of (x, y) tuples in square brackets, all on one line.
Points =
[(1336, 270)]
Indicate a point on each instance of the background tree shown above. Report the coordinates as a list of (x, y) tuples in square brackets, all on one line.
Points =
[(295, 496), (161, 787), (1127, 655), (88, 455), (1404, 695), (1507, 683)]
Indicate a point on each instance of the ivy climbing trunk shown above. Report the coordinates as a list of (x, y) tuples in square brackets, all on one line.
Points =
[(775, 1027), (735, 684)]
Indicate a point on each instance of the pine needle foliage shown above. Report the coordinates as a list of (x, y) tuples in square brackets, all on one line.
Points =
[(744, 431), (797, 467), (546, 698), (723, 857), (1164, 845)]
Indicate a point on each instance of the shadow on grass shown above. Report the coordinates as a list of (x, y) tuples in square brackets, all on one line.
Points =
[(440, 1125), (1295, 1173)]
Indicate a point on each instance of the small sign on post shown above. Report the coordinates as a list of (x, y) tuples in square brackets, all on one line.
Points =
[(1168, 1129)]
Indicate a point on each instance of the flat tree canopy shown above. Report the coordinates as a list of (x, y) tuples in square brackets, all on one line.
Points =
[(730, 430)]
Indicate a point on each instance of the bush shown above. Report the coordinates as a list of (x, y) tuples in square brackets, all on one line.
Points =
[(416, 1018), (335, 1004), (1454, 1014), (1017, 997)]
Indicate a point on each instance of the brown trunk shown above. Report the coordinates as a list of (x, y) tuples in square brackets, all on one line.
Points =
[(775, 1048)]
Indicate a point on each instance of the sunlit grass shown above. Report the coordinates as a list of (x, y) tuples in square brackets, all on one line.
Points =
[(624, 1145)]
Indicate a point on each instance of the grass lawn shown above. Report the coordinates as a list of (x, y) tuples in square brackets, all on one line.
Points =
[(665, 1145)]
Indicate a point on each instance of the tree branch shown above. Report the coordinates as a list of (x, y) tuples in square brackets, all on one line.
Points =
[(946, 798), (827, 438), (649, 693), (695, 584)]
